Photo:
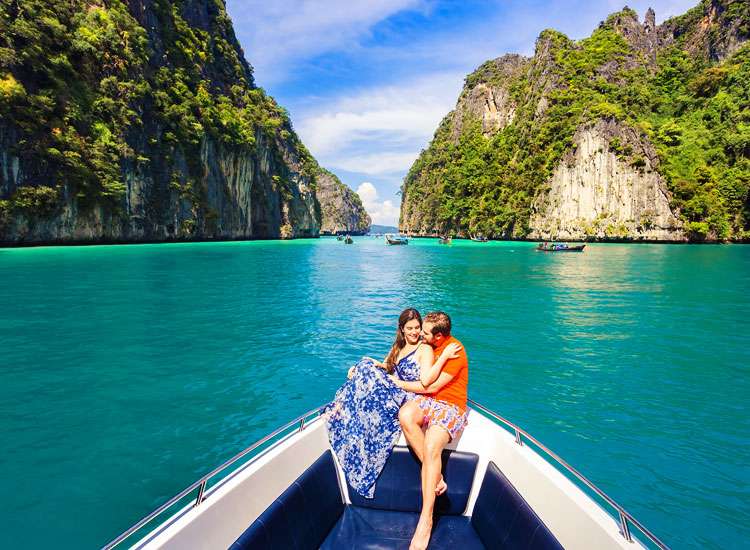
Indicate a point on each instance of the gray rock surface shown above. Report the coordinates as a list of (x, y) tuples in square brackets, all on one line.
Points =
[(341, 208), (594, 193), (213, 191)]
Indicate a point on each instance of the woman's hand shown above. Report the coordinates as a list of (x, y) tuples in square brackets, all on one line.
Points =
[(374, 361), (396, 380), (451, 351), (350, 373)]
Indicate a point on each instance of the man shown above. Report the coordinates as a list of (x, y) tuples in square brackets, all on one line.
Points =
[(441, 408)]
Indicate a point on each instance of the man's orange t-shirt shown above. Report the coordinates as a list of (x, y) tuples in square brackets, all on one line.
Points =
[(454, 391)]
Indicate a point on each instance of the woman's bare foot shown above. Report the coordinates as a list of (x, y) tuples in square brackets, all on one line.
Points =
[(442, 487), (421, 537)]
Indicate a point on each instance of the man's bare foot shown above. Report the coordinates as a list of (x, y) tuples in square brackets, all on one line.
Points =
[(421, 537), (442, 487)]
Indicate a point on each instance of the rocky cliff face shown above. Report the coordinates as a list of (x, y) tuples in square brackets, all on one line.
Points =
[(616, 136), (341, 208), (712, 31), (489, 100), (593, 193), (140, 121), (487, 105)]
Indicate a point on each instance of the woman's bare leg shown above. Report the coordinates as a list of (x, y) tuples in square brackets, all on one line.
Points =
[(411, 417)]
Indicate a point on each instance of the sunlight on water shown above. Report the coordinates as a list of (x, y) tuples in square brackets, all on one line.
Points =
[(129, 371)]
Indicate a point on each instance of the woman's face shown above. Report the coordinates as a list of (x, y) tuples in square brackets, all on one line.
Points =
[(411, 331)]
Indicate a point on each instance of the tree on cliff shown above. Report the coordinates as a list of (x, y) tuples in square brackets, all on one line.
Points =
[(682, 90)]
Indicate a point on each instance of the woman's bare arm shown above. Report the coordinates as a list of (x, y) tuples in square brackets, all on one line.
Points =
[(425, 358), (417, 387)]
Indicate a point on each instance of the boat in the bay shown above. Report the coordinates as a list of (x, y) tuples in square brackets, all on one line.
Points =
[(395, 239), (560, 247), (446, 239), (479, 239), (287, 490), (348, 240), (339, 237)]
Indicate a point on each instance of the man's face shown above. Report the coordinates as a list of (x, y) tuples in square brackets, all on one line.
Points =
[(427, 335)]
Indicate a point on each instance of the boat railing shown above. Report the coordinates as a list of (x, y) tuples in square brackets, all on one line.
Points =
[(200, 486), (625, 518)]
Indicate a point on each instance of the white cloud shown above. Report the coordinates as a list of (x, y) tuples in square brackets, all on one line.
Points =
[(279, 33), (381, 212), (379, 130), (377, 163), (367, 192)]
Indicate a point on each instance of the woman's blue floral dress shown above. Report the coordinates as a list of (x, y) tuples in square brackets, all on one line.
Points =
[(362, 420)]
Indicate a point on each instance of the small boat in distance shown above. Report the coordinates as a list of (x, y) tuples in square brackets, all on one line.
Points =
[(559, 247), (339, 237), (396, 239), (446, 240), (479, 239), (348, 240)]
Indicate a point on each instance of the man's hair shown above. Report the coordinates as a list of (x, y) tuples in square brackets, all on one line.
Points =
[(440, 321)]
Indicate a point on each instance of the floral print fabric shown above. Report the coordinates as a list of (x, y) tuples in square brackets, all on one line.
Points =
[(362, 420), (441, 413)]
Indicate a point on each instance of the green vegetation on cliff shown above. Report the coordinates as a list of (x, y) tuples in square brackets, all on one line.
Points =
[(695, 110), (701, 128), (86, 91)]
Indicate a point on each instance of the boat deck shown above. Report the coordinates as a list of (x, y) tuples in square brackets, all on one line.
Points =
[(287, 490), (311, 513)]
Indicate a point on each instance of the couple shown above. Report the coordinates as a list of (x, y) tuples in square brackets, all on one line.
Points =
[(420, 385)]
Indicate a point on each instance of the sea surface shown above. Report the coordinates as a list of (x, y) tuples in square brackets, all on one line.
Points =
[(129, 371)]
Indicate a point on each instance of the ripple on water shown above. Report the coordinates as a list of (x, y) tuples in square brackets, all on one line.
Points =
[(130, 371)]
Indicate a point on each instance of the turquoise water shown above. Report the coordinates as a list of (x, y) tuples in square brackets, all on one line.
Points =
[(129, 371)]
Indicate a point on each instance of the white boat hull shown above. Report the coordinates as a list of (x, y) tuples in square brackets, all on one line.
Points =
[(230, 506)]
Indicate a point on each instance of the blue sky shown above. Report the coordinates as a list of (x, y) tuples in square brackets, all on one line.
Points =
[(366, 82)]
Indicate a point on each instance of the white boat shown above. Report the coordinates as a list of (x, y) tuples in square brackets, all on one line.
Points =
[(396, 239), (505, 490)]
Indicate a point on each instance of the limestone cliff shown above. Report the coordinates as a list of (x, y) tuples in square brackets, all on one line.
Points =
[(713, 30), (486, 106), (625, 135), (139, 120), (593, 193), (341, 208), (487, 96)]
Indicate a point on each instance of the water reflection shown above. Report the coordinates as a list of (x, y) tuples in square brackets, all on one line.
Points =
[(148, 365)]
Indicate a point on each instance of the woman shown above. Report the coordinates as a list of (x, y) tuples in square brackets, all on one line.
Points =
[(362, 419)]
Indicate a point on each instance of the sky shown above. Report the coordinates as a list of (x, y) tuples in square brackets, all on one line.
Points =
[(366, 82)]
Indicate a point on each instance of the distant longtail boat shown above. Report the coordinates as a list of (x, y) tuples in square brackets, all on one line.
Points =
[(396, 239), (559, 247)]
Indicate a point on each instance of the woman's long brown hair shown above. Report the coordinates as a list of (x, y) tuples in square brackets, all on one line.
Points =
[(407, 315)]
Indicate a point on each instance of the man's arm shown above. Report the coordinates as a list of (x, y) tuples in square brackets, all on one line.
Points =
[(429, 373), (417, 387)]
